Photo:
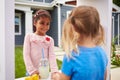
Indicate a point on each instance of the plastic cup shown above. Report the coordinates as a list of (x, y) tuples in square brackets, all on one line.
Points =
[(44, 69)]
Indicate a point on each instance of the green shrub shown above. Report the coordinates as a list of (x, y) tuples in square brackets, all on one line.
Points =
[(114, 59)]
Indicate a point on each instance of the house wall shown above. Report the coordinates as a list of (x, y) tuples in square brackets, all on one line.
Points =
[(54, 26), (64, 13), (48, 1), (19, 39), (64, 9), (116, 27), (53, 32)]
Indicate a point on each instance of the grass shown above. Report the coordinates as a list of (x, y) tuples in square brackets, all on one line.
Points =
[(19, 63)]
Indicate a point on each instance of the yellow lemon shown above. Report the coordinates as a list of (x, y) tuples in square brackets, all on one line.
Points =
[(35, 77), (28, 78)]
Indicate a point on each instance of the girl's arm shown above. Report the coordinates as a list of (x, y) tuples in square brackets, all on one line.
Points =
[(60, 76), (105, 76), (52, 57), (64, 77), (26, 55)]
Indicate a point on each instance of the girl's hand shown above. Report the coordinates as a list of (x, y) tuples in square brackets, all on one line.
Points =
[(55, 76)]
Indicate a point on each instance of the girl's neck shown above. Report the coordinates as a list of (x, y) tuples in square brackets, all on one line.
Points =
[(86, 42), (40, 34)]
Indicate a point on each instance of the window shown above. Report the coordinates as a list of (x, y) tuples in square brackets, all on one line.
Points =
[(17, 24)]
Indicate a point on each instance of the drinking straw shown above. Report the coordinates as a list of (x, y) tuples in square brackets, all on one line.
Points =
[(42, 52), (43, 56)]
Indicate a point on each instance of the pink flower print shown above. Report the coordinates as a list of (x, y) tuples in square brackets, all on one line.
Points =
[(34, 40)]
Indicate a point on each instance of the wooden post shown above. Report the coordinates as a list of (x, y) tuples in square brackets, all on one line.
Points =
[(104, 8), (7, 40)]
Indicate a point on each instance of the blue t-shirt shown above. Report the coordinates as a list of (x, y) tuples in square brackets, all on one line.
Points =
[(88, 64)]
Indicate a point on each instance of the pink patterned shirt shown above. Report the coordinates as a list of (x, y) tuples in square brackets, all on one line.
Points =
[(32, 49)]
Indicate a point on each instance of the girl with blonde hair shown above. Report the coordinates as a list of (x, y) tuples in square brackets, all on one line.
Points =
[(82, 36)]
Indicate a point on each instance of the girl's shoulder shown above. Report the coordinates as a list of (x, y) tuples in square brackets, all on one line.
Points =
[(29, 34), (100, 48)]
